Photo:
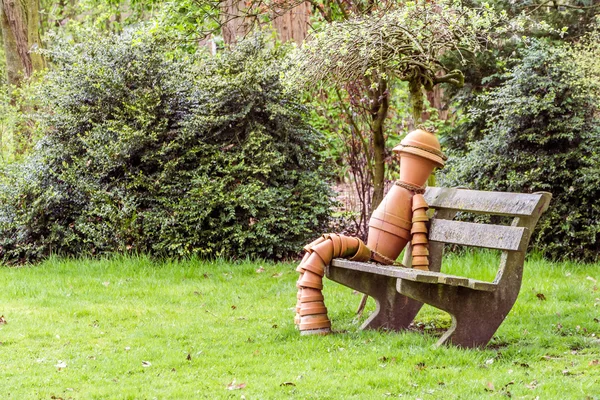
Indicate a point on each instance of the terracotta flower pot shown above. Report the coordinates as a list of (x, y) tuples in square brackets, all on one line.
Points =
[(312, 308), (385, 237), (418, 227), (418, 250), (311, 280), (419, 260), (415, 169), (310, 322), (362, 254), (337, 244), (308, 247), (419, 202), (351, 244), (310, 294), (419, 238), (324, 251), (315, 264)]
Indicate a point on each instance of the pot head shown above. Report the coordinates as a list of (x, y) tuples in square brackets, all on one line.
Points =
[(422, 144)]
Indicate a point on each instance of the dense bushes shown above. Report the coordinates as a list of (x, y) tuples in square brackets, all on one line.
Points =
[(540, 133), (147, 150)]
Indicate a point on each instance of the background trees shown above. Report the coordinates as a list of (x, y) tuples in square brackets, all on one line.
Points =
[(375, 69)]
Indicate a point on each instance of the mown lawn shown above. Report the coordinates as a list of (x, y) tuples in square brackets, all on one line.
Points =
[(134, 328)]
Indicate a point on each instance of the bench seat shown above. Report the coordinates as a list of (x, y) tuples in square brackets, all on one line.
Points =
[(415, 274)]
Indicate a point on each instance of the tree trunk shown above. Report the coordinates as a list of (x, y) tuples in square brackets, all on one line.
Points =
[(234, 23), (379, 110), (20, 21), (293, 24)]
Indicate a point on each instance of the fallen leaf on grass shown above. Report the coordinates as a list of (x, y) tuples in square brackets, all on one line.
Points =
[(589, 278), (541, 296), (532, 385), (277, 275), (234, 386), (106, 283), (288, 384), (489, 387), (489, 362), (260, 270), (146, 364), (60, 365), (593, 363), (189, 357), (548, 358), (3, 320)]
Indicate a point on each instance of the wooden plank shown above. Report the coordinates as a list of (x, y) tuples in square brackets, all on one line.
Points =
[(481, 202), (377, 269), (478, 235), (414, 274), (444, 279)]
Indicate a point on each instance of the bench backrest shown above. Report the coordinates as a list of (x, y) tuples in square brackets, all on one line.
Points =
[(525, 209)]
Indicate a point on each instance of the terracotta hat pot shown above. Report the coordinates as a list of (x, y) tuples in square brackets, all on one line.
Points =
[(420, 153), (310, 294), (311, 280), (319, 321), (419, 202), (418, 227), (313, 308), (419, 238), (420, 215), (421, 267), (423, 144)]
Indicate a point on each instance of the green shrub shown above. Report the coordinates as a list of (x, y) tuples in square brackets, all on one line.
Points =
[(149, 150), (541, 134)]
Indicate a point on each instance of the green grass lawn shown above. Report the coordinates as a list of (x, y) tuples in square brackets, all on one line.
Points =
[(137, 329)]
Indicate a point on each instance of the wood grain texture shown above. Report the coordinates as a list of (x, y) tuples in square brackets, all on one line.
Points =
[(414, 275), (497, 237), (480, 202)]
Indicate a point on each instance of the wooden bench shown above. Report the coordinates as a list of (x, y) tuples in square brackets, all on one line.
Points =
[(477, 307)]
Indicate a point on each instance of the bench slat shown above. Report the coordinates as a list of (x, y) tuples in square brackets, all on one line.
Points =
[(450, 280), (481, 202), (478, 235), (414, 275)]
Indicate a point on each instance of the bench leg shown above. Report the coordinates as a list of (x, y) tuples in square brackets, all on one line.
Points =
[(476, 315), (393, 310)]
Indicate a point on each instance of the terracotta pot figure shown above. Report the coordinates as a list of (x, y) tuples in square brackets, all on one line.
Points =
[(400, 218)]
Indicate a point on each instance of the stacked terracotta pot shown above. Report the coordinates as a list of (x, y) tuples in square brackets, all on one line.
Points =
[(420, 243), (399, 218), (311, 313)]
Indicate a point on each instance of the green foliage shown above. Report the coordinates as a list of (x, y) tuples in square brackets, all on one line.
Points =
[(540, 133), (149, 151)]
